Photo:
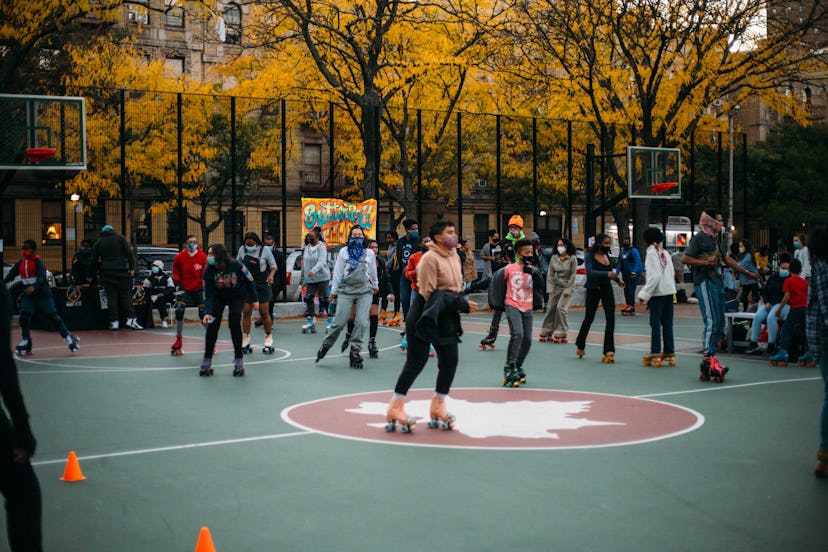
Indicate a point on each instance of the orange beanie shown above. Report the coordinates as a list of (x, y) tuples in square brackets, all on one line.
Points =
[(516, 220)]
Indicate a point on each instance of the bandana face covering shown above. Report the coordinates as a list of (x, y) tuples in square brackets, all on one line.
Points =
[(355, 252), (709, 225)]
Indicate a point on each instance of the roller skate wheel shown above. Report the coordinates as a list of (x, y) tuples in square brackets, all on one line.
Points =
[(703, 377), (406, 428), (522, 380), (657, 363), (177, 352), (434, 423), (268, 350), (391, 426)]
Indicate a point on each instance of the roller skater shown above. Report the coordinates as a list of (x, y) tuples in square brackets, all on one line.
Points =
[(510, 375), (608, 358), (112, 257), (37, 296), (439, 272), (373, 352), (246, 347), (629, 265), (657, 292), (24, 348), (188, 271), (406, 246), (600, 274), (206, 369), (382, 296), (310, 326), (439, 417), (268, 345), (317, 278), (352, 286), (807, 360), (227, 282), (355, 359), (238, 367), (260, 262), (396, 415), (779, 358)]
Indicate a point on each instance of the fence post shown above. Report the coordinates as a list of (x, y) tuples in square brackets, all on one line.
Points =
[(283, 178), (179, 170), (589, 189), (498, 203), (122, 139), (535, 174), (419, 166), (569, 211), (331, 152), (234, 245), (692, 183), (459, 174)]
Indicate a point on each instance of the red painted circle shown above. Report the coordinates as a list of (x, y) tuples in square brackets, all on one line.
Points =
[(502, 419)]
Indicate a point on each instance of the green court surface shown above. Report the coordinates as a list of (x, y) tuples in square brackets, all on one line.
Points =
[(166, 452)]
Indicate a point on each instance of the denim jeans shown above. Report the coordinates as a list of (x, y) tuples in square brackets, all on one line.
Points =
[(763, 316), (712, 307), (661, 324)]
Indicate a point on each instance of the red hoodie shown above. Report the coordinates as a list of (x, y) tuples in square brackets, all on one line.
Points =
[(188, 269)]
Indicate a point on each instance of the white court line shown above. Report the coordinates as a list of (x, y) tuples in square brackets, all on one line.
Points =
[(725, 387), (177, 447)]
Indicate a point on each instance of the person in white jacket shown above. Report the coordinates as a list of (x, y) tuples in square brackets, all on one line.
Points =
[(658, 291)]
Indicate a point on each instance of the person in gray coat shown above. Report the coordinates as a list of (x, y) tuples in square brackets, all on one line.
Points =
[(316, 276)]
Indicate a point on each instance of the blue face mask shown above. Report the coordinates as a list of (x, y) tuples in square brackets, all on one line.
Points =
[(415, 234), (211, 261), (155, 270), (796, 245), (784, 273), (193, 247)]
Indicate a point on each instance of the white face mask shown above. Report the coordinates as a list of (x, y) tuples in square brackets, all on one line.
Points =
[(561, 250)]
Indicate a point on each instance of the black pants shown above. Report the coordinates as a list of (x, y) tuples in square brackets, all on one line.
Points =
[(749, 291), (118, 289), (20, 488), (605, 296), (236, 305), (417, 355), (793, 331)]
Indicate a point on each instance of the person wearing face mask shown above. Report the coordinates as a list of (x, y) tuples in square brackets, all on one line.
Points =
[(560, 285), (816, 327), (658, 293), (406, 245), (434, 318), (112, 257), (227, 283), (411, 275), (706, 254), (629, 264), (262, 266), (37, 296), (515, 234), (161, 288), (766, 313), (80, 263), (600, 273), (795, 296), (802, 254), (188, 272), (354, 282), (521, 280), (749, 294), (316, 276)]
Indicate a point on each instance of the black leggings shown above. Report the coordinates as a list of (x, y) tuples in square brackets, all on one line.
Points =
[(236, 305), (417, 355), (605, 296), (21, 490)]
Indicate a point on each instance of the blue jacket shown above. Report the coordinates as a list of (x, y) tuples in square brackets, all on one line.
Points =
[(629, 261)]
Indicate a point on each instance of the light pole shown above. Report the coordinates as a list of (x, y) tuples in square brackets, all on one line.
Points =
[(75, 198), (730, 226)]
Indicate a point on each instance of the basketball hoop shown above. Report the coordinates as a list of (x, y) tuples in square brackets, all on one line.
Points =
[(38, 155)]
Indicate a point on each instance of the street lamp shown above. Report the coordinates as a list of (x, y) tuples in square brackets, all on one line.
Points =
[(75, 198)]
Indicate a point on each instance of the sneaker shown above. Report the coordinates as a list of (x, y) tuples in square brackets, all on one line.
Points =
[(164, 324), (753, 348), (133, 323), (114, 325)]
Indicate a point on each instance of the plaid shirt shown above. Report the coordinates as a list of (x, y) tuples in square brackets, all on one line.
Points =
[(816, 321)]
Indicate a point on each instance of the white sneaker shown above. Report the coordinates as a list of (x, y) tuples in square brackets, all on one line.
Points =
[(164, 324), (132, 323), (113, 325)]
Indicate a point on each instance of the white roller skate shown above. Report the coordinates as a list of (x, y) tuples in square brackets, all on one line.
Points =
[(246, 348), (268, 345), (309, 326), (24, 347), (72, 341)]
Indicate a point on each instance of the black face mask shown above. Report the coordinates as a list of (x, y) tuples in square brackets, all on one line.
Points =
[(528, 260), (606, 250)]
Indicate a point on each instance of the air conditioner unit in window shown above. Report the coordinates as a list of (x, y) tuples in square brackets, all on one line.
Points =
[(481, 184)]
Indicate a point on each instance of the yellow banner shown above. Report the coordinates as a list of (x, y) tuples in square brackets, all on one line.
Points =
[(336, 217)]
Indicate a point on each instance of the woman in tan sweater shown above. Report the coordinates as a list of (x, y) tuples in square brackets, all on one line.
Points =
[(440, 278)]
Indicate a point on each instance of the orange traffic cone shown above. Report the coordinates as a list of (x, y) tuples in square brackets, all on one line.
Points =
[(205, 541), (72, 472)]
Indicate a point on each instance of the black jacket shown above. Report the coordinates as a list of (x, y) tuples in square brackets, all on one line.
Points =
[(111, 254), (18, 433), (439, 323), (772, 290)]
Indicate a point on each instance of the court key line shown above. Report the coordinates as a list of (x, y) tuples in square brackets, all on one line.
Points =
[(177, 447)]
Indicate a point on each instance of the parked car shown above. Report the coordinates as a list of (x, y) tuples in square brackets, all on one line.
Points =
[(147, 254)]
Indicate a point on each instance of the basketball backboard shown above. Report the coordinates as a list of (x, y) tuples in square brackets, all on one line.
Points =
[(653, 172), (42, 132)]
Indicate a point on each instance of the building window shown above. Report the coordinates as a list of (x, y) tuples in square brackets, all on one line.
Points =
[(51, 225), (481, 230), (271, 225), (174, 14), (172, 225), (7, 226), (142, 223), (138, 12), (232, 24), (312, 171), (174, 67)]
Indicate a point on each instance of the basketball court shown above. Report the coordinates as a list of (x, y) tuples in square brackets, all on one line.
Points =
[(293, 456)]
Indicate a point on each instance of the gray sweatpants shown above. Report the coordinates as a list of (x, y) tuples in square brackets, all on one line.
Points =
[(344, 301), (520, 334)]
